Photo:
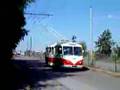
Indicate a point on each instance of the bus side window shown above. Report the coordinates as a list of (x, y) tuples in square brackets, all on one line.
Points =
[(59, 50), (49, 50), (52, 50)]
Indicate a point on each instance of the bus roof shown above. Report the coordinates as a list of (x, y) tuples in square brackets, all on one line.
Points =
[(52, 45), (71, 44), (66, 44)]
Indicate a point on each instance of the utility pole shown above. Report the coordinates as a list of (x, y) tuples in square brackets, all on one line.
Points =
[(91, 34), (30, 43), (30, 50)]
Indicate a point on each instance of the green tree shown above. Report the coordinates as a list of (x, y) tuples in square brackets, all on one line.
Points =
[(116, 50), (12, 31), (84, 46), (13, 21), (116, 54), (104, 43)]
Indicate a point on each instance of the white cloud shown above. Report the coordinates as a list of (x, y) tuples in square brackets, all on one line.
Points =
[(110, 16)]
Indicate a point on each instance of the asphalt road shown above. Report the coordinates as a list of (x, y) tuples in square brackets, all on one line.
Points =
[(41, 77)]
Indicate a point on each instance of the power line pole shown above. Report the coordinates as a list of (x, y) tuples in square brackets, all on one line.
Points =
[(30, 43), (91, 34)]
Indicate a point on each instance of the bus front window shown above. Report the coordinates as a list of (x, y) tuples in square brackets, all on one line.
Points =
[(77, 51), (67, 50)]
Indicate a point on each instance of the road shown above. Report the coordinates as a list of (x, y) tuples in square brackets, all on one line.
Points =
[(42, 77)]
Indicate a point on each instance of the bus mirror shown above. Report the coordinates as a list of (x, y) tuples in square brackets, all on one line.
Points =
[(59, 50)]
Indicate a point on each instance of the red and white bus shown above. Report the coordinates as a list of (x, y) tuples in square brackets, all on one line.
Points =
[(65, 54)]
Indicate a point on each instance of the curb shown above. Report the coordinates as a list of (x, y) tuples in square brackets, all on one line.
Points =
[(115, 74)]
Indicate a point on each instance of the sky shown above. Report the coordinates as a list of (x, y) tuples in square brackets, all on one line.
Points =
[(68, 18)]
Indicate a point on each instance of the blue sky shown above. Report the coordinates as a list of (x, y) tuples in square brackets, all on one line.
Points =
[(70, 17)]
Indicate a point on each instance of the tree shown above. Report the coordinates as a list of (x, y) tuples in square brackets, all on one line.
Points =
[(116, 50), (104, 43), (13, 21), (12, 31), (116, 54), (84, 47)]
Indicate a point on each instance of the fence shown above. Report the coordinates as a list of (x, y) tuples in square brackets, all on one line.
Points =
[(103, 62)]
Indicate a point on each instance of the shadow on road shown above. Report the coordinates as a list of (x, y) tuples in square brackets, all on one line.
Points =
[(71, 70), (30, 73)]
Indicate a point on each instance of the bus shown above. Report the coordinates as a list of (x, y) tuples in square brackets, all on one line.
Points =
[(65, 54)]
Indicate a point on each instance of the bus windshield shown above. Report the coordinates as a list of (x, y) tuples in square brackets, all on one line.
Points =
[(67, 50), (77, 51)]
